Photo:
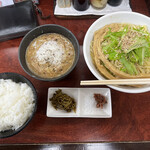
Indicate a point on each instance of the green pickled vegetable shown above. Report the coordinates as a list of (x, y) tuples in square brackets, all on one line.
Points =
[(63, 101)]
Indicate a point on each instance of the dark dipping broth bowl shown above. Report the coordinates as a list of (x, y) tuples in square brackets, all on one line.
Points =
[(19, 78), (44, 29)]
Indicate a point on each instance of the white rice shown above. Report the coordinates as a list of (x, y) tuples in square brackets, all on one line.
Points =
[(16, 104)]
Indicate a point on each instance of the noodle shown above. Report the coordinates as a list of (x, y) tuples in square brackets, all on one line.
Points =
[(122, 51)]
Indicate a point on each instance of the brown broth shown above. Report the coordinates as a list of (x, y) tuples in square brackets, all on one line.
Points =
[(50, 55)]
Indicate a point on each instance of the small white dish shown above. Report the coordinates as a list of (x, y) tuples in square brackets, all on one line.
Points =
[(88, 103), (85, 103)]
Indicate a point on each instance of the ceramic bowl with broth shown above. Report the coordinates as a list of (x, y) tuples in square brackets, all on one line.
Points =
[(119, 18), (49, 52)]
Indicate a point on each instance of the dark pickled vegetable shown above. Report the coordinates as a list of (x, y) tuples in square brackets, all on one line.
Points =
[(63, 101)]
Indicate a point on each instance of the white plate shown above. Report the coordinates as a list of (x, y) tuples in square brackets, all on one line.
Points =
[(85, 103)]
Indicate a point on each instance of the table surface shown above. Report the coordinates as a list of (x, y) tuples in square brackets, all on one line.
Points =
[(130, 112)]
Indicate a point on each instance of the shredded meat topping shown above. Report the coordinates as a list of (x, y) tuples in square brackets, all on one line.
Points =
[(100, 99)]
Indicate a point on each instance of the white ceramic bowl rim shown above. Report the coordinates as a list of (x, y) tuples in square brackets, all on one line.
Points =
[(129, 17)]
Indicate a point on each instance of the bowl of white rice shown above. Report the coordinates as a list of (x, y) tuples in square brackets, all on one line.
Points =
[(18, 103)]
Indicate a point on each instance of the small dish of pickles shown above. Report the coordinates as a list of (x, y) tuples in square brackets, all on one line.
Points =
[(79, 102)]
